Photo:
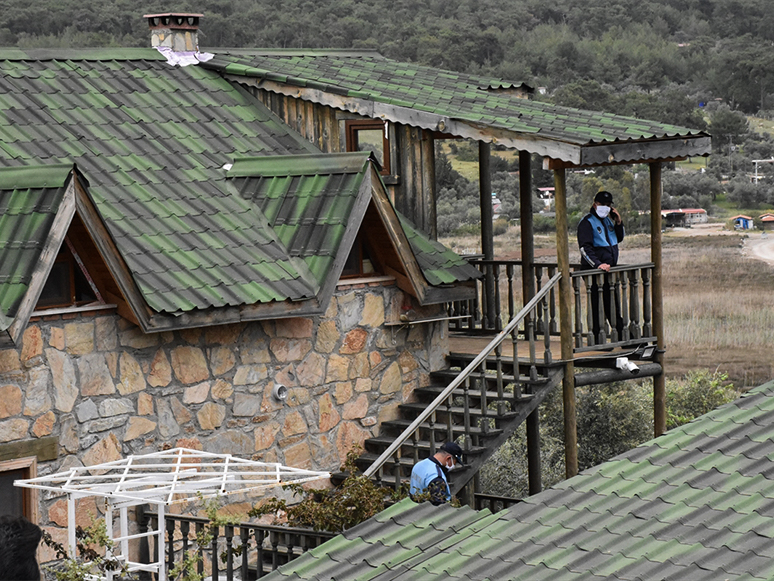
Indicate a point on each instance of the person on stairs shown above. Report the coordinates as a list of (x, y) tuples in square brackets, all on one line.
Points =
[(431, 474)]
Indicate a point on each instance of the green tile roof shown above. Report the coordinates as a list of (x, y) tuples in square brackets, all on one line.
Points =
[(156, 143), (473, 99), (697, 503), (29, 200)]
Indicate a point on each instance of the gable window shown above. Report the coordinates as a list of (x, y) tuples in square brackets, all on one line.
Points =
[(69, 283), (370, 135), (359, 260)]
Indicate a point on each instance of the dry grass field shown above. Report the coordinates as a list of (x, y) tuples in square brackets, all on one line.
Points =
[(718, 307)]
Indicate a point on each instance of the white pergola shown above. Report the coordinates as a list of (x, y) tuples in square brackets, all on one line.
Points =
[(160, 478)]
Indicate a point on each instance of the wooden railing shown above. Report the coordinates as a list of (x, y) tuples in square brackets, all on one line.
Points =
[(623, 315), (240, 551), (479, 375), (492, 502), (631, 300)]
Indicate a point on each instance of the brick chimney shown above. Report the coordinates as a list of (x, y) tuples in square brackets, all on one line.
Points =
[(175, 30)]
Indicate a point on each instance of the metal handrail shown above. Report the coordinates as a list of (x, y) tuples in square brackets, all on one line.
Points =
[(400, 441)]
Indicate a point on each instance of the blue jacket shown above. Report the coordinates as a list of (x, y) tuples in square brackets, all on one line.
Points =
[(598, 241), (429, 476)]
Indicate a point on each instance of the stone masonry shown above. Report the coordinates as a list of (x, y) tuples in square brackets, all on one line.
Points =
[(107, 390)]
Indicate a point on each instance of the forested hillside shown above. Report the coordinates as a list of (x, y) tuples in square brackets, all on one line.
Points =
[(585, 52)]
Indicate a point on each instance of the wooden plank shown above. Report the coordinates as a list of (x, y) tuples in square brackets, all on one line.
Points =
[(565, 318), (428, 190), (45, 263), (309, 118), (398, 239), (122, 307), (659, 381), (44, 449), (115, 262)]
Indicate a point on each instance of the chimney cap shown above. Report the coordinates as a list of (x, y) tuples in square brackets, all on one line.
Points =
[(174, 20)]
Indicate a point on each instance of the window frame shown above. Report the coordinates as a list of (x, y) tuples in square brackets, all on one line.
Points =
[(29, 464), (352, 126)]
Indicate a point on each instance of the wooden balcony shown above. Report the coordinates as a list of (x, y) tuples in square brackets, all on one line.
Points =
[(624, 296)]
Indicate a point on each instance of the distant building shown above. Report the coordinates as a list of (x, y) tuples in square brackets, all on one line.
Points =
[(767, 221), (742, 222), (684, 217)]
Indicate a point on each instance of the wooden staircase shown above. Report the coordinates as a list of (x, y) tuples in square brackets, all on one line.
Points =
[(478, 415), (479, 401)]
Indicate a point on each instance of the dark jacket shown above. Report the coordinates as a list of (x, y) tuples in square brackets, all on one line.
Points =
[(598, 241)]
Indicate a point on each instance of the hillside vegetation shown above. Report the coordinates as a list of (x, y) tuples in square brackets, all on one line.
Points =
[(593, 50)]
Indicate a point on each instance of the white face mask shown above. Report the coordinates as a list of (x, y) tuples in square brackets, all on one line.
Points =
[(603, 211)]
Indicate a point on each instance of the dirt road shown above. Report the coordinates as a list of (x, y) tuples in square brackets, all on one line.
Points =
[(760, 246)]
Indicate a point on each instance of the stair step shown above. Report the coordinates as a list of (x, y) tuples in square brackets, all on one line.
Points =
[(458, 411), (382, 443), (402, 424), (432, 391), (448, 375), (465, 358)]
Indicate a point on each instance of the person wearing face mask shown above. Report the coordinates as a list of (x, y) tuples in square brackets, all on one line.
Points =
[(599, 233), (431, 474)]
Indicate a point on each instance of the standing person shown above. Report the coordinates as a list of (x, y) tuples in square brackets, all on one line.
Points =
[(431, 474), (19, 539), (599, 233)]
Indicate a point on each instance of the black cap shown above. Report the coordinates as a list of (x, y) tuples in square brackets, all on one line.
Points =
[(453, 449), (604, 198)]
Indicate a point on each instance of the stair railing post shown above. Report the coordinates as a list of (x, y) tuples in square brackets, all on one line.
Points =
[(244, 539), (499, 367), (484, 423), (590, 338), (397, 471), (600, 314), (466, 411), (634, 304), (613, 293), (624, 279), (647, 330)]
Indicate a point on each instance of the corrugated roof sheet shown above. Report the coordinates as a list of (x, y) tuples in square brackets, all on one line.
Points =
[(477, 100), (29, 200), (696, 503)]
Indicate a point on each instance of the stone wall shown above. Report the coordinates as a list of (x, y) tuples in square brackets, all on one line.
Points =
[(107, 390)]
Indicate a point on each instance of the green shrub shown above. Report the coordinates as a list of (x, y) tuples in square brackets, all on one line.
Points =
[(700, 392)]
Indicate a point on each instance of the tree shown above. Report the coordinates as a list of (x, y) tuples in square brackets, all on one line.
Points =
[(727, 128)]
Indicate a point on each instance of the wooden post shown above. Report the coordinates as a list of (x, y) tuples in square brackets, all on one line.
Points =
[(659, 381), (487, 230), (528, 291), (565, 324)]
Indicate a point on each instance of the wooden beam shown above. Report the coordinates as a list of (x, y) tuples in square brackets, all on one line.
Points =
[(565, 324), (113, 259), (659, 381), (398, 239), (44, 449), (56, 236), (487, 230), (527, 235), (639, 152)]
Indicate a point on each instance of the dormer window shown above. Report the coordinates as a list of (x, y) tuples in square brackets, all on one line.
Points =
[(69, 283), (370, 135), (359, 261)]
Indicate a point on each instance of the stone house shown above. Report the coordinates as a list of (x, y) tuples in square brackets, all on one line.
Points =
[(179, 267)]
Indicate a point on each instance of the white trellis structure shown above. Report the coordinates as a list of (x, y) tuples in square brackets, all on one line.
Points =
[(163, 478)]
